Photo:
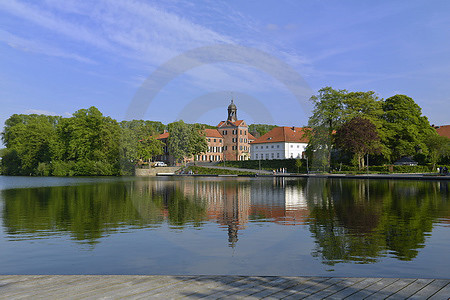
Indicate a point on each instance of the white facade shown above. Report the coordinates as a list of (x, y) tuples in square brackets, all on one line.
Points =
[(280, 150)]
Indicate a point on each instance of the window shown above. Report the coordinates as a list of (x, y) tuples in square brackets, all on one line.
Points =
[(272, 146), (245, 140), (224, 132), (292, 155), (209, 140), (241, 131), (240, 147), (256, 156), (292, 146), (278, 146), (298, 146), (267, 155), (220, 140), (245, 132), (278, 154), (267, 147), (214, 140), (240, 140)]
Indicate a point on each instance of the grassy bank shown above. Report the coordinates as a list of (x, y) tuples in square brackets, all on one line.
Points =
[(210, 171)]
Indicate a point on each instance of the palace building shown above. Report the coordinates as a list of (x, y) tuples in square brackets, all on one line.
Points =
[(230, 141)]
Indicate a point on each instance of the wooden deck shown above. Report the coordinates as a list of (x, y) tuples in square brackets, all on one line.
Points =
[(215, 287)]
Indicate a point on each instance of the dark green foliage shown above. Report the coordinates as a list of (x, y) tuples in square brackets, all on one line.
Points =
[(186, 140), (212, 171), (360, 137), (86, 144), (258, 130), (406, 130), (274, 164)]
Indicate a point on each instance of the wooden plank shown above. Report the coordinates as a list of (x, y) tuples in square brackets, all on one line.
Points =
[(338, 286), (373, 288), (264, 289), (430, 289), (313, 289), (212, 286), (443, 293), (411, 289), (349, 290), (391, 289), (302, 285)]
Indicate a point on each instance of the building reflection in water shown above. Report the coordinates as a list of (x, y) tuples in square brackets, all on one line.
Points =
[(234, 203)]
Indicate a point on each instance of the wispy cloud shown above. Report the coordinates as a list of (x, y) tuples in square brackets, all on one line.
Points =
[(39, 47)]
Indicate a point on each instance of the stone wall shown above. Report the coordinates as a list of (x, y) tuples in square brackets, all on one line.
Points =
[(153, 171)]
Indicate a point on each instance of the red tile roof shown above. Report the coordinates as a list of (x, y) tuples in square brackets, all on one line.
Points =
[(208, 133), (443, 130), (251, 137), (236, 123), (284, 134), (213, 133), (164, 135)]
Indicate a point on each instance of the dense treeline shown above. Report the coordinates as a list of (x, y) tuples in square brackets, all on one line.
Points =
[(357, 124), (88, 143)]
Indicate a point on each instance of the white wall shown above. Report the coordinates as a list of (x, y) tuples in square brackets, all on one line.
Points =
[(276, 150)]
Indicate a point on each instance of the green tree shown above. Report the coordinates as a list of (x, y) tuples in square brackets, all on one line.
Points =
[(29, 140), (198, 143), (358, 136), (260, 129), (438, 147), (149, 147), (186, 140), (327, 116), (405, 128)]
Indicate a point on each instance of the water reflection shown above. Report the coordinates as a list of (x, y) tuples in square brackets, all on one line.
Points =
[(350, 220)]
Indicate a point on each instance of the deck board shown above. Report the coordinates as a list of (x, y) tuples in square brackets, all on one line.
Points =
[(215, 287)]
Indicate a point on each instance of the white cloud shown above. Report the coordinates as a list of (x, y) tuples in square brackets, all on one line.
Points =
[(40, 112)]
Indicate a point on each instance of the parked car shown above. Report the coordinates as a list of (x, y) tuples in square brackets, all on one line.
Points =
[(159, 164)]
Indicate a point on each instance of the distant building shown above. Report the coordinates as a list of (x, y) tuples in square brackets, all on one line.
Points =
[(280, 143), (230, 141), (236, 136), (443, 130)]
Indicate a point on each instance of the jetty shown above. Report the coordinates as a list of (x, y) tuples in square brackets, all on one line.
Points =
[(216, 287)]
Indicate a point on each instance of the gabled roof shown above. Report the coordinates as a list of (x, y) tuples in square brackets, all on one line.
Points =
[(164, 135), (251, 137), (230, 123), (283, 134), (213, 133), (443, 130)]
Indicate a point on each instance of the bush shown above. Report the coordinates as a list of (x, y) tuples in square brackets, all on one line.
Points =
[(43, 169), (273, 164), (62, 168)]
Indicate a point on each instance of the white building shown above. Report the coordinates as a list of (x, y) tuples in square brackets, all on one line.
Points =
[(280, 143)]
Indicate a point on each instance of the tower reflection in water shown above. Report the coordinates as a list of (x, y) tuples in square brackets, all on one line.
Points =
[(235, 203)]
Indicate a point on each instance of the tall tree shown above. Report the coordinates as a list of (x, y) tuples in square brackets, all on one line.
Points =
[(179, 140), (438, 147), (358, 136), (327, 116), (405, 128)]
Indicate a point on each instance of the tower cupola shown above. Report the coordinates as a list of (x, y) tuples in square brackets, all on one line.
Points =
[(232, 112)]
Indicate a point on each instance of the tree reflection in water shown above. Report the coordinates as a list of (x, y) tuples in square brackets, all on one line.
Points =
[(362, 220), (350, 220)]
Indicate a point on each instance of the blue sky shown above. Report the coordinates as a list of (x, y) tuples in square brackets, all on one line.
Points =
[(60, 56)]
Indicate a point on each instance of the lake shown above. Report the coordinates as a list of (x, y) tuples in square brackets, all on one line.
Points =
[(244, 226)]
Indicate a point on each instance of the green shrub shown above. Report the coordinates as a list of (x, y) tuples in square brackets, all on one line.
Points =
[(43, 169), (62, 168)]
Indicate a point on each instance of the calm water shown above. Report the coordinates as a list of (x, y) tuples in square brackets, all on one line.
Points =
[(247, 226)]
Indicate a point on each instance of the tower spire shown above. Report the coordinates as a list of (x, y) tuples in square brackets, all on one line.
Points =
[(232, 112)]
